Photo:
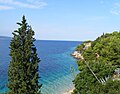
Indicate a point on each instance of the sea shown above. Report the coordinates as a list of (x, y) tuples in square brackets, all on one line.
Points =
[(57, 68)]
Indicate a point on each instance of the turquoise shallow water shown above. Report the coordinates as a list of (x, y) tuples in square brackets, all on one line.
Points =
[(54, 68)]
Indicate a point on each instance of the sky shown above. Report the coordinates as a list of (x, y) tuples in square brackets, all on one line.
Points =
[(76, 20)]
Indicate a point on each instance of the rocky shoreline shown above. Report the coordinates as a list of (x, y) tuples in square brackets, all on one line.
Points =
[(77, 55)]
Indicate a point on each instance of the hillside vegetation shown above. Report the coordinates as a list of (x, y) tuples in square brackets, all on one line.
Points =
[(100, 68)]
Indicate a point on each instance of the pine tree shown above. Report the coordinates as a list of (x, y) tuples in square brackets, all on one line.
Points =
[(23, 73)]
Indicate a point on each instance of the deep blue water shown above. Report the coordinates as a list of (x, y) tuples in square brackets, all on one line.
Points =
[(54, 68)]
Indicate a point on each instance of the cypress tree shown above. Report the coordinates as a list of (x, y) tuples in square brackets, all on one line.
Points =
[(23, 69)]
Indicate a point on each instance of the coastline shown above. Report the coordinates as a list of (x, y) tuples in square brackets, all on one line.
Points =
[(69, 92), (77, 55)]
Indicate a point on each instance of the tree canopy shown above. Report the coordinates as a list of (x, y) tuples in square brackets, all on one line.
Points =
[(102, 57), (23, 76)]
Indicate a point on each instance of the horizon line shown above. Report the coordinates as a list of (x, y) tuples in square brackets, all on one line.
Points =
[(49, 39)]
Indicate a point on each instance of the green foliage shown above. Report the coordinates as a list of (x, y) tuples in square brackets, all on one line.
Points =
[(86, 83), (107, 47), (23, 69), (111, 87), (81, 46)]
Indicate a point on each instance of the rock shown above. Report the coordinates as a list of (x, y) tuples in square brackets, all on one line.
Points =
[(87, 45), (77, 55)]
